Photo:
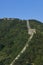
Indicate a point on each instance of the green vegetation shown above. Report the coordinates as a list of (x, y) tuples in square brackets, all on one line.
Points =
[(13, 37), (34, 53)]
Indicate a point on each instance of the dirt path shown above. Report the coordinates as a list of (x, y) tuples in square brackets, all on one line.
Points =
[(22, 51)]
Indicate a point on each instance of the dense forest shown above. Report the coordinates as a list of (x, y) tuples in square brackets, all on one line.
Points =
[(13, 37)]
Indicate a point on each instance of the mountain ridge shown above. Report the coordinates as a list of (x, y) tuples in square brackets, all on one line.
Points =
[(13, 37)]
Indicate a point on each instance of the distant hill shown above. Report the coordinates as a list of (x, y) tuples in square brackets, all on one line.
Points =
[(13, 37)]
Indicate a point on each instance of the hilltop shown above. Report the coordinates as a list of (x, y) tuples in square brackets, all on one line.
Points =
[(13, 37)]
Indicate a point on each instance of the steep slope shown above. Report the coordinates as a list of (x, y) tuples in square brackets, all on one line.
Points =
[(34, 53), (13, 37)]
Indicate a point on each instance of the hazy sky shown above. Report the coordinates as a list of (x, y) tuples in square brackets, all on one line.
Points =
[(23, 9)]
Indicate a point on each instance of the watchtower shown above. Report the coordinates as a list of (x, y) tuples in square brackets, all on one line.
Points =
[(30, 30)]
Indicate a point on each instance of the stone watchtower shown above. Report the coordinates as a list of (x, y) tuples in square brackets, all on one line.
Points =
[(30, 30)]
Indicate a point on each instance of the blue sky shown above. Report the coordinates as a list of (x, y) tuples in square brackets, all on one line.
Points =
[(23, 9)]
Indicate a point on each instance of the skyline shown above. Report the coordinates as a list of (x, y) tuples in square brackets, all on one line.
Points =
[(22, 9)]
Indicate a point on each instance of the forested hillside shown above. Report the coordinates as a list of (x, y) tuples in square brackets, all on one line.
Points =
[(13, 37)]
